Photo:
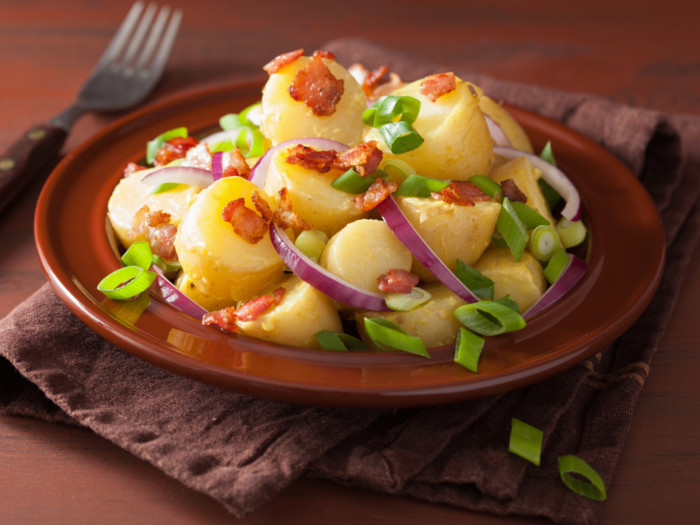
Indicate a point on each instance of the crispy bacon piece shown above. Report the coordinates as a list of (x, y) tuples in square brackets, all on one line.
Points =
[(397, 281), (225, 319), (316, 86), (246, 223), (262, 206), (376, 193), (285, 217), (174, 149), (323, 54), (155, 227), (238, 167), (511, 190), (435, 86), (462, 193), (365, 158), (309, 158), (277, 63), (370, 79), (132, 168)]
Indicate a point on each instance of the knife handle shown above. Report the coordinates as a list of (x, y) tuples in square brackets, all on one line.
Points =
[(27, 157)]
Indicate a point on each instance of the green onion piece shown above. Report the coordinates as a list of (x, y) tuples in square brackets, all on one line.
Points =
[(311, 243), (525, 441), (390, 336), (340, 342), (547, 153), (397, 170), (477, 282), (488, 186), (551, 196), (489, 318), (419, 186), (544, 241), (166, 266), (243, 115), (165, 187), (386, 110), (594, 488), (400, 137), (250, 141), (530, 218), (126, 282), (139, 254), (572, 233), (154, 145), (225, 145), (498, 239), (405, 302), (556, 265), (507, 301), (230, 121), (512, 229), (352, 182), (468, 349)]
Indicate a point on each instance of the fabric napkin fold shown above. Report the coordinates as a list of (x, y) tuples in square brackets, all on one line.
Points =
[(242, 450)]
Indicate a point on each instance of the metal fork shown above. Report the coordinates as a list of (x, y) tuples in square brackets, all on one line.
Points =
[(126, 73)]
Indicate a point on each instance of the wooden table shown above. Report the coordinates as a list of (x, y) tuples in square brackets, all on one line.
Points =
[(630, 51)]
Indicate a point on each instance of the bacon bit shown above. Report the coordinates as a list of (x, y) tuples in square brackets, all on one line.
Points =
[(246, 223), (174, 149), (155, 228), (373, 82), (376, 193), (262, 206), (323, 54), (132, 168), (254, 308), (277, 63), (462, 193), (311, 159), (238, 167), (471, 191), (316, 86), (397, 281), (511, 190), (438, 85), (225, 319), (365, 158), (285, 217)]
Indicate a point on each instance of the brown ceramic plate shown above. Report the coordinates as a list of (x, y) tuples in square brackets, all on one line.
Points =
[(75, 245)]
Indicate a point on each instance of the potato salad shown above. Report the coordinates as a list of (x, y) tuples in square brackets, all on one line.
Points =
[(349, 210)]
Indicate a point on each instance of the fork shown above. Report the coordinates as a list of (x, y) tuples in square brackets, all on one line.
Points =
[(126, 73)]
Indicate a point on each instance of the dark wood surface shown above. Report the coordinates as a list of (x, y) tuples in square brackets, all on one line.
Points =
[(641, 53)]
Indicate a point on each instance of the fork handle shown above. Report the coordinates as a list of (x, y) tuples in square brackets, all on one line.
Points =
[(27, 157)]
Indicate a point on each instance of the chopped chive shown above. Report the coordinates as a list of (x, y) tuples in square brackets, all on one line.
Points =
[(512, 229), (352, 182), (572, 233), (405, 302), (126, 282), (489, 318), (311, 243), (468, 349), (559, 260), (489, 186), (525, 441), (400, 137), (390, 336), (477, 282), (419, 186), (544, 241), (594, 488), (530, 218), (154, 145), (340, 342)]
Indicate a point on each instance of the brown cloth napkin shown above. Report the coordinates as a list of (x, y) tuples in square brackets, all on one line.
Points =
[(242, 450)]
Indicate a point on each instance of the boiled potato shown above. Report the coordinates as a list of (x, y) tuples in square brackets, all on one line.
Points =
[(525, 176), (303, 312), (313, 198), (284, 118), (363, 251), (186, 286), (131, 194), (516, 134), (522, 280), (457, 140), (221, 264), (452, 231), (433, 321)]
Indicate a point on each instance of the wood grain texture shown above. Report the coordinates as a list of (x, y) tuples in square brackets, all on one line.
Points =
[(645, 54)]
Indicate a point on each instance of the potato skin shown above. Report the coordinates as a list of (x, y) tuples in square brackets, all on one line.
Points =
[(302, 313), (284, 118), (525, 176), (523, 280), (452, 231), (221, 264), (515, 133), (457, 140)]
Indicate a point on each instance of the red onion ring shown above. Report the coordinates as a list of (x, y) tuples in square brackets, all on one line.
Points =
[(570, 275), (320, 278), (181, 175), (554, 176), (497, 134), (407, 234), (166, 291), (217, 165)]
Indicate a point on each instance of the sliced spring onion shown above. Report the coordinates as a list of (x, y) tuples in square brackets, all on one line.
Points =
[(572, 233), (166, 266), (556, 265), (222, 147), (311, 243), (400, 137), (249, 116), (468, 349), (164, 188), (530, 218), (154, 145), (390, 336), (388, 108), (397, 170), (525, 441), (250, 141), (507, 301), (544, 241), (594, 488), (405, 302), (547, 153), (352, 182), (489, 318), (340, 342), (512, 229), (230, 121), (477, 282), (419, 186), (138, 254), (126, 282), (488, 186)]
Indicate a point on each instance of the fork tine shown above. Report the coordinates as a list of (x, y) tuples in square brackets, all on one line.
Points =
[(161, 57), (138, 36), (122, 35), (153, 37)]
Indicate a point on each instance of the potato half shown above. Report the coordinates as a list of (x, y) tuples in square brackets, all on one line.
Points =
[(525, 176)]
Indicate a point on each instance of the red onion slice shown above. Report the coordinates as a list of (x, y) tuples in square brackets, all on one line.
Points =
[(163, 289), (554, 176), (570, 275), (407, 234), (217, 165), (181, 175), (259, 172), (497, 134), (320, 278)]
